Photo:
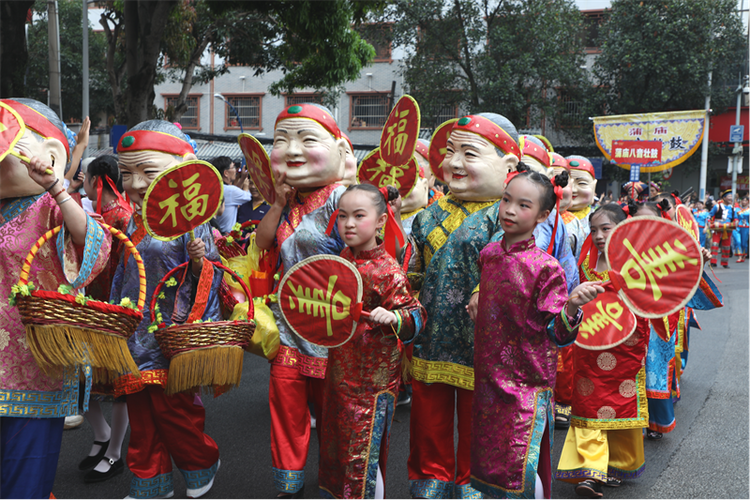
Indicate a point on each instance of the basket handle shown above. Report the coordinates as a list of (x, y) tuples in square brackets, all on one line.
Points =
[(157, 290), (24, 277)]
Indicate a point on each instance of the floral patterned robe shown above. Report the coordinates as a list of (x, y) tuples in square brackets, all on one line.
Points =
[(362, 381), (25, 390), (519, 326)]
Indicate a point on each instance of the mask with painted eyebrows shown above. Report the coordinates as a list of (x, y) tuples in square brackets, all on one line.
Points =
[(307, 153)]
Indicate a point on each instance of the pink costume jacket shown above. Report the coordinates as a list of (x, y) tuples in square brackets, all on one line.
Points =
[(25, 390), (519, 326), (362, 381)]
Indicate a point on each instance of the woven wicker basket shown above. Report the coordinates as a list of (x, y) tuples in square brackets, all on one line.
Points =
[(204, 354), (62, 332)]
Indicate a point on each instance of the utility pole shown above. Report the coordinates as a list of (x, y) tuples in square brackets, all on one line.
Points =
[(55, 84), (704, 149), (85, 63)]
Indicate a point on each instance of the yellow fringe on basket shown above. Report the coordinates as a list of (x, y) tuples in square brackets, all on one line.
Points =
[(210, 366), (61, 345)]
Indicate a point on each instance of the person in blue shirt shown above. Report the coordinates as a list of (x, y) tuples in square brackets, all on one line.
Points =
[(724, 216), (701, 216), (233, 196)]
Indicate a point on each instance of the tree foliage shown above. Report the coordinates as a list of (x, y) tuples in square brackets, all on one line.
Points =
[(512, 57), (71, 63), (13, 53), (312, 43), (656, 55)]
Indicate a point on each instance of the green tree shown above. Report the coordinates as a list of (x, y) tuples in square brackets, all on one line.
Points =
[(656, 55), (312, 43), (512, 57), (71, 50), (13, 53)]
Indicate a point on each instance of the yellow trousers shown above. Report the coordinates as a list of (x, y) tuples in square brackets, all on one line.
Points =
[(597, 453)]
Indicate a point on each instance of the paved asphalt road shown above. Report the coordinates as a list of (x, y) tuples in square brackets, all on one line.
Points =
[(706, 456)]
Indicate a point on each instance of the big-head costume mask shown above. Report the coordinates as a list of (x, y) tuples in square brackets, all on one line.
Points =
[(583, 180), (148, 149), (420, 195), (481, 151), (44, 136), (308, 147), (535, 155), (350, 169)]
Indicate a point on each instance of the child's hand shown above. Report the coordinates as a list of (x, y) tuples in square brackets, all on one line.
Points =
[(196, 249), (473, 306), (76, 183), (706, 254), (383, 316), (396, 206), (583, 294), (283, 190)]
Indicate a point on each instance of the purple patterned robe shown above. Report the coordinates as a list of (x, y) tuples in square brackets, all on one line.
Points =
[(518, 329)]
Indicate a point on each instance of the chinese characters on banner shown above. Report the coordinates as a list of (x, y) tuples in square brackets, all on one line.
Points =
[(181, 199), (321, 300), (258, 166), (684, 217), (655, 276), (398, 140), (607, 322), (439, 146), (11, 129), (630, 152), (375, 170), (655, 141)]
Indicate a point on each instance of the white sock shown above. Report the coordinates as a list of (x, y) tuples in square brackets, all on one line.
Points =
[(379, 485), (101, 429), (120, 423)]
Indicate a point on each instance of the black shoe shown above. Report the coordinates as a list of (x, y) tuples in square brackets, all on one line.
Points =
[(589, 489), (91, 461), (654, 435), (613, 482), (725, 266), (115, 468), (713, 265), (299, 494)]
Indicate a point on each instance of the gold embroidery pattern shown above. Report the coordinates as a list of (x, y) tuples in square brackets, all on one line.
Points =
[(307, 365), (459, 211), (443, 372)]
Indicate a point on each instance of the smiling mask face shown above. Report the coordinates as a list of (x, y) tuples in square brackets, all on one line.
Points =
[(472, 168), (14, 175), (140, 168), (307, 153)]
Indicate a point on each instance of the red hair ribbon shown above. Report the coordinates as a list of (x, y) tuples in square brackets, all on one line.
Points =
[(626, 209), (510, 176), (100, 187), (589, 249), (677, 200), (332, 221), (558, 197), (392, 229)]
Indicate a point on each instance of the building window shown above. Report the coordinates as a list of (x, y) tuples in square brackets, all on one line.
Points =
[(592, 22), (369, 110), (248, 108), (572, 113), (292, 99), (434, 116), (191, 119), (379, 36)]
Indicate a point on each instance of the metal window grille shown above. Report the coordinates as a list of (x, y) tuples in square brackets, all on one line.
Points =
[(191, 118), (369, 111), (248, 107), (303, 99), (572, 111), (447, 112)]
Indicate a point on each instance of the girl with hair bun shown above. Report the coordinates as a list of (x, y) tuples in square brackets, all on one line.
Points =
[(363, 375), (101, 185), (604, 444), (515, 356)]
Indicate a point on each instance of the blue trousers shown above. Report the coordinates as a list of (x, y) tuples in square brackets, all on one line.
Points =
[(29, 449)]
